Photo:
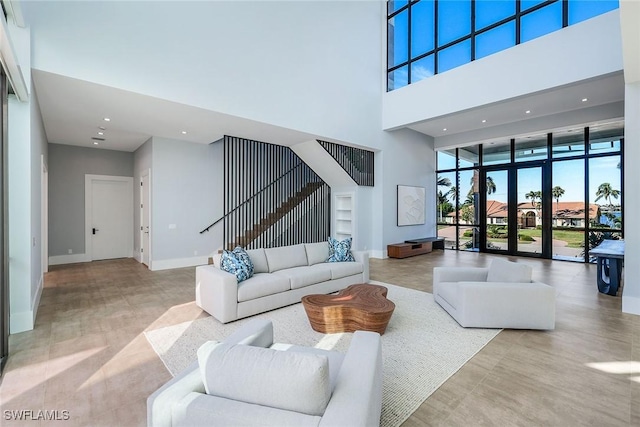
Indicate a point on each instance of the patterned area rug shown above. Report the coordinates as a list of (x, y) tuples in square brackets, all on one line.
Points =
[(421, 348)]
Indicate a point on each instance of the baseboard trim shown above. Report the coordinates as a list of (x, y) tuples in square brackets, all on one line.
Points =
[(68, 259), (377, 254), (630, 304), (168, 264)]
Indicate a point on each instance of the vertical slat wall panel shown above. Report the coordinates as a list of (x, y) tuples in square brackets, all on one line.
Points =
[(272, 198), (358, 163)]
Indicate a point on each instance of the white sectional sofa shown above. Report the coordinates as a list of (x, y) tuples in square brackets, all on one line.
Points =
[(282, 276)]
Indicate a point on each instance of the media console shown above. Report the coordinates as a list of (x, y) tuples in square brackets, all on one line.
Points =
[(414, 247)]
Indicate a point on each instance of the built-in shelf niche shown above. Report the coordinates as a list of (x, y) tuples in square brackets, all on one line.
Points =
[(344, 216)]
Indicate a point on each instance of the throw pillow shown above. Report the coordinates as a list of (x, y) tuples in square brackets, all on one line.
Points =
[(232, 264), (510, 272), (340, 251), (244, 257)]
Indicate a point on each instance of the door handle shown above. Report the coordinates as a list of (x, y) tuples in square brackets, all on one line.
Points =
[(94, 230)]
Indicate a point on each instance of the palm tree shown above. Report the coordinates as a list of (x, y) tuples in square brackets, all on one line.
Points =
[(536, 199), (557, 192), (605, 190), (491, 186), (443, 181), (533, 195), (453, 193)]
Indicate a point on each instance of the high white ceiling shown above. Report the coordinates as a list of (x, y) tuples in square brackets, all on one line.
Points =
[(581, 97), (74, 110)]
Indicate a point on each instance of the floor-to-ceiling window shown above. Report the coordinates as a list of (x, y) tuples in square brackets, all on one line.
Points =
[(552, 195), (428, 37)]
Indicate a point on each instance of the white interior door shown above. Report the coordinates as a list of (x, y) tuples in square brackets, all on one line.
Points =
[(110, 226), (145, 240)]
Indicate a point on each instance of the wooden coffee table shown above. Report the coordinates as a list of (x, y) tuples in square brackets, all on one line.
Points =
[(361, 307)]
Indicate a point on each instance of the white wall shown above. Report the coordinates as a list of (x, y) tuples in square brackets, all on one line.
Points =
[(631, 291), (312, 66), (582, 51), (142, 159), (407, 159), (186, 197), (39, 147), (272, 61), (19, 176), (26, 145)]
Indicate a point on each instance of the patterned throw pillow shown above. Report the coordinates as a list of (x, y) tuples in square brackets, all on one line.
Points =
[(232, 264), (244, 257), (340, 251)]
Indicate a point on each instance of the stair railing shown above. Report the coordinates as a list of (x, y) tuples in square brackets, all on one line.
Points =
[(250, 199)]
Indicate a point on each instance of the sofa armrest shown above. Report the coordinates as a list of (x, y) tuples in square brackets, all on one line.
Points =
[(506, 305), (458, 274), (256, 332), (160, 403), (357, 397), (217, 293), (363, 257)]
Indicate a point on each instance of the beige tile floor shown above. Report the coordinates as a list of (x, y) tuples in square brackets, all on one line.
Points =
[(88, 355)]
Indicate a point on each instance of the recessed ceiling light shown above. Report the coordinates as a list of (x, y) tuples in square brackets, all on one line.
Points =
[(107, 119), (584, 99), (184, 132), (102, 128), (100, 133), (527, 112), (445, 129), (484, 121), (95, 143)]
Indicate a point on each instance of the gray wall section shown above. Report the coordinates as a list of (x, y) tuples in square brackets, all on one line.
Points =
[(141, 164), (39, 148), (68, 166), (186, 195)]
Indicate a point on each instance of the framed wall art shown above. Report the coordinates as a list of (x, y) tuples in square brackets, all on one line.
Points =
[(411, 205)]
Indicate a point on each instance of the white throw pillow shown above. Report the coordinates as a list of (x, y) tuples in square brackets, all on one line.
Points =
[(317, 252), (506, 271), (292, 381), (286, 257), (259, 260)]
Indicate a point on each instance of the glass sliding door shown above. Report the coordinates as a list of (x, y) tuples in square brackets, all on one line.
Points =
[(496, 189), (568, 220), (530, 203)]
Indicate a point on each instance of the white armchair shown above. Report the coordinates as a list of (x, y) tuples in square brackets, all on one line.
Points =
[(270, 384), (501, 296)]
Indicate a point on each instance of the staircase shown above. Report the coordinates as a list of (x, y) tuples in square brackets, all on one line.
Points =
[(273, 217)]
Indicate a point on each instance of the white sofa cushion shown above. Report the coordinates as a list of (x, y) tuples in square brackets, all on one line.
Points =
[(344, 269), (507, 271), (259, 260), (289, 380), (317, 252), (262, 284), (286, 257), (299, 277), (335, 358)]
